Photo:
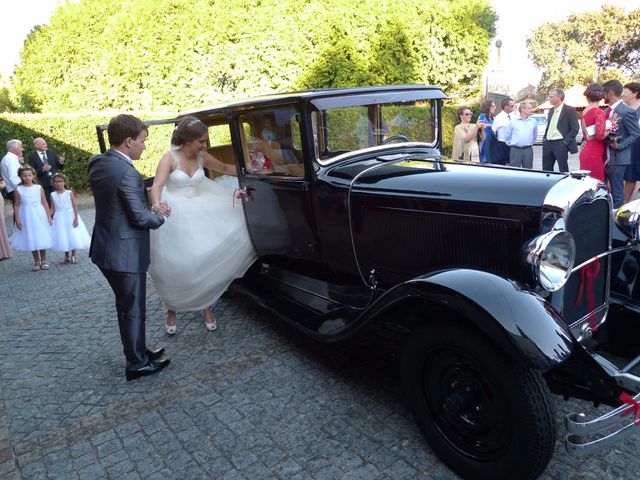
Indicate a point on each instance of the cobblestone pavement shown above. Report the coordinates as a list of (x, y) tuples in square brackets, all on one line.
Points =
[(253, 400)]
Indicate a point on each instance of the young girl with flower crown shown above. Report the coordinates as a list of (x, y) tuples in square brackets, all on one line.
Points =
[(33, 219), (69, 232)]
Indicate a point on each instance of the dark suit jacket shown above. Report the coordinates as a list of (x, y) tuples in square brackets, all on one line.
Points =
[(629, 133), (120, 240), (568, 126), (36, 162), (497, 152)]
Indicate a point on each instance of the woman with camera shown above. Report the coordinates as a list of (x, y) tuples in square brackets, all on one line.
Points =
[(466, 136)]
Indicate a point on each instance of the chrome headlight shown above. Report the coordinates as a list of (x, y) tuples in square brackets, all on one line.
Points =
[(628, 219), (550, 258)]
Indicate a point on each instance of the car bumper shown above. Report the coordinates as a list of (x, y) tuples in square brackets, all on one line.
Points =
[(588, 436)]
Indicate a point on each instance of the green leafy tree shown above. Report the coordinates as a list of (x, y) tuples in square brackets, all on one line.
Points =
[(157, 55), (587, 47)]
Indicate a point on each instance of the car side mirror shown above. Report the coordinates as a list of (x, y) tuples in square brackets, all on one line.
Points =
[(628, 219)]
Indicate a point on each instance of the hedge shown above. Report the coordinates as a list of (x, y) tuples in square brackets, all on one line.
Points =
[(74, 136)]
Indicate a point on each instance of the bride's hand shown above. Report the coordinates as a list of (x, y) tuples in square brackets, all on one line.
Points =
[(162, 208), (166, 209)]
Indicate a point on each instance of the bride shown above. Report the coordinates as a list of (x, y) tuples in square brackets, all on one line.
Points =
[(204, 245)]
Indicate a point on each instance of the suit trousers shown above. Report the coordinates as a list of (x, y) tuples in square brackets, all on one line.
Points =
[(552, 151), (615, 176), (521, 157), (130, 290)]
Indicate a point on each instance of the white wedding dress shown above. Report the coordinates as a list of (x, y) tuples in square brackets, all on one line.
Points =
[(203, 245)]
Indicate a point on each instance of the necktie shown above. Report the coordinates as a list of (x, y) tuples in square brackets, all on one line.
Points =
[(44, 157)]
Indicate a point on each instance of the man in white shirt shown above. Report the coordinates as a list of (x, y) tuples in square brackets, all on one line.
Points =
[(497, 148), (9, 166)]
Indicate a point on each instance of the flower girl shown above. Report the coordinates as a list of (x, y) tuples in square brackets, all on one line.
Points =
[(69, 232), (33, 219)]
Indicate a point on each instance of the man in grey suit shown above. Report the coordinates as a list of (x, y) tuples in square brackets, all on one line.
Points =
[(120, 241), (627, 132)]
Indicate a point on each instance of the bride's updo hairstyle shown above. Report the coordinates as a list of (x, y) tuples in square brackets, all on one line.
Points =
[(188, 129)]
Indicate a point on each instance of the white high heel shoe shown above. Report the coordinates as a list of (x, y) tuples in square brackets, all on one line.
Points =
[(210, 326), (171, 329)]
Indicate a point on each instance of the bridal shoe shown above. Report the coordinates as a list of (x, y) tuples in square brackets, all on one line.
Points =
[(210, 326)]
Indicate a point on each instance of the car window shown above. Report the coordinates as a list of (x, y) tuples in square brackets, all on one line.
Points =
[(220, 145), (348, 128), (271, 142)]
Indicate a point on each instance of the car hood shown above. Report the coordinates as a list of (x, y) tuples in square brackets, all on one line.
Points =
[(457, 181)]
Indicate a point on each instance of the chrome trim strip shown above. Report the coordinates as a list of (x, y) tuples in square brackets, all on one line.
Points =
[(353, 243), (387, 149), (604, 254)]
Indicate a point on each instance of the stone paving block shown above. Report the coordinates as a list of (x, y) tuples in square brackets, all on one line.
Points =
[(329, 472), (109, 447), (114, 458), (93, 471), (7, 467), (120, 469)]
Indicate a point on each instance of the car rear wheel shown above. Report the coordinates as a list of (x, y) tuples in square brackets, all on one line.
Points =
[(484, 415)]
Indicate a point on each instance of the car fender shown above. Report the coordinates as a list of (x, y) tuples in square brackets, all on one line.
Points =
[(521, 322)]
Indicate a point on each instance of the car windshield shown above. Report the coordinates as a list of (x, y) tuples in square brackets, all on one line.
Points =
[(348, 128)]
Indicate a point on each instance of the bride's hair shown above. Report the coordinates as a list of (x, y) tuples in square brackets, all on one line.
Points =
[(188, 129)]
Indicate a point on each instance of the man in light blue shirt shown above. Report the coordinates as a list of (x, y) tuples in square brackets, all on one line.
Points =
[(520, 135)]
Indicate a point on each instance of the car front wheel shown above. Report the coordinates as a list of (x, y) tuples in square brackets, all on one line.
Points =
[(484, 415)]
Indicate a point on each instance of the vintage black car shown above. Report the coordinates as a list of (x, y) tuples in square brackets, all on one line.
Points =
[(499, 277)]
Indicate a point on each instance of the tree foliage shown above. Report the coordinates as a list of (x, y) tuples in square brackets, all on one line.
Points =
[(173, 54), (587, 47)]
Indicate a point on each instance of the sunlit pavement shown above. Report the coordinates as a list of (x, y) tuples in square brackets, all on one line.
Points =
[(252, 400)]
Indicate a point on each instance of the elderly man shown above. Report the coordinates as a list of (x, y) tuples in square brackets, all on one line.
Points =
[(520, 135), (560, 135), (46, 163), (9, 166)]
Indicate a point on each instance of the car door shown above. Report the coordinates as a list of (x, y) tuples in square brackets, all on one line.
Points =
[(275, 186)]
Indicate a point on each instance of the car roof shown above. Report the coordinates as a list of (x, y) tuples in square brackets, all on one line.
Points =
[(309, 95)]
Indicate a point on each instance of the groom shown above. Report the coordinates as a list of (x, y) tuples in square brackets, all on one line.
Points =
[(120, 240)]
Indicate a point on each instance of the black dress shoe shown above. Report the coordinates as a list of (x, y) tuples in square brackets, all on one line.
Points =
[(152, 366), (155, 354)]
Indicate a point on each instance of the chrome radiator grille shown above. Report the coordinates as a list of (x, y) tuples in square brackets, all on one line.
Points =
[(586, 290)]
